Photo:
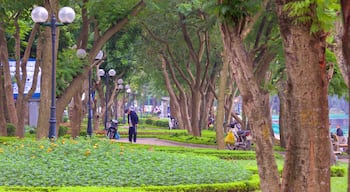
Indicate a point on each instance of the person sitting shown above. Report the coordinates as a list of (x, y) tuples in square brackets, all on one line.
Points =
[(340, 134)]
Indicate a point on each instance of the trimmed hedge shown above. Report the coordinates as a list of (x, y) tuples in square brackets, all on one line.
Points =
[(241, 186), (336, 171)]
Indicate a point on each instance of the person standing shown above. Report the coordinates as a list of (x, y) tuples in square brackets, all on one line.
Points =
[(133, 120)]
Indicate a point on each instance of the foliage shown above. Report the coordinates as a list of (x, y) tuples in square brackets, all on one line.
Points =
[(337, 84), (242, 186), (30, 129), (11, 129), (157, 122), (68, 67), (337, 171), (233, 11), (62, 130), (80, 162), (321, 19)]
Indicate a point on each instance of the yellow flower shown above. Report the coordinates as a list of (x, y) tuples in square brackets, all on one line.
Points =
[(41, 146), (49, 149), (54, 145), (1, 150), (87, 152), (22, 145)]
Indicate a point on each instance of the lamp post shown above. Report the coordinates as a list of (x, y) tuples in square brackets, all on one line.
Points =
[(81, 54), (40, 15), (126, 88), (120, 87), (128, 91), (110, 73)]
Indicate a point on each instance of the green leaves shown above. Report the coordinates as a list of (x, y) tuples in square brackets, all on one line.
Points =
[(319, 14), (95, 162), (235, 10)]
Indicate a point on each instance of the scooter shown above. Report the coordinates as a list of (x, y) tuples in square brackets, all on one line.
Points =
[(243, 140)]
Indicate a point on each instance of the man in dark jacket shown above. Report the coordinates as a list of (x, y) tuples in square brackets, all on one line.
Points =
[(133, 120)]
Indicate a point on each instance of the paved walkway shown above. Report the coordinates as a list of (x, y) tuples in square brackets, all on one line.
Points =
[(155, 141), (159, 142)]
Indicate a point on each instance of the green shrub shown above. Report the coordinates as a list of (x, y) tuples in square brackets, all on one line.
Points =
[(30, 129), (65, 119), (149, 121), (337, 171), (11, 129), (83, 133), (62, 131), (162, 123)]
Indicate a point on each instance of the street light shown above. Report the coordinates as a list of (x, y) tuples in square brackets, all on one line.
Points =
[(110, 73), (126, 88), (128, 91), (40, 15), (120, 87), (81, 54)]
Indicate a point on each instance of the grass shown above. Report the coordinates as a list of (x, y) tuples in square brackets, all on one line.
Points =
[(340, 184)]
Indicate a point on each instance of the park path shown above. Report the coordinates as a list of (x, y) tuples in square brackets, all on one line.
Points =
[(159, 142)]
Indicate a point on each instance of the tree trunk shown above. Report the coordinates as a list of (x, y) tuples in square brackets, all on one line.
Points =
[(220, 112), (195, 112), (345, 5), (284, 116), (10, 107), (338, 51), (46, 74), (76, 112), (256, 106), (3, 129), (305, 167)]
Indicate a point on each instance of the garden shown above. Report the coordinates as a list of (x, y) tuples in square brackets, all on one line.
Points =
[(100, 164)]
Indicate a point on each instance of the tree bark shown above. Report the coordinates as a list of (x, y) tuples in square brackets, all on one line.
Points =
[(219, 120), (284, 115), (338, 51), (345, 5), (256, 106), (3, 129), (76, 115), (10, 107), (46, 73), (305, 167)]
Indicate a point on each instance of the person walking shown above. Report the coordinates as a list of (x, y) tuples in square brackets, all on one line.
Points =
[(133, 120)]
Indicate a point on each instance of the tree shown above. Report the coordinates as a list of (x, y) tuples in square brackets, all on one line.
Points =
[(236, 20), (345, 7), (103, 31), (186, 47), (304, 35), (13, 24)]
